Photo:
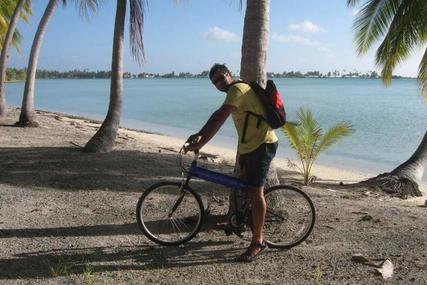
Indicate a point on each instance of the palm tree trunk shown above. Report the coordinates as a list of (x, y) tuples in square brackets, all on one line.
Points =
[(255, 41), (27, 115), (403, 180), (253, 66), (414, 167), (4, 56), (254, 61), (104, 138)]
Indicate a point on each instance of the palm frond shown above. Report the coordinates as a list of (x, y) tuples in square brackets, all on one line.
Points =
[(332, 136), (422, 75), (352, 3), (3, 25), (308, 129), (27, 11), (16, 40), (291, 132), (403, 35), (136, 30), (87, 8), (7, 8), (372, 22)]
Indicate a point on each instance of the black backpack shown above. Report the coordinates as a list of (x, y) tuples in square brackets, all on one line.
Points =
[(272, 103)]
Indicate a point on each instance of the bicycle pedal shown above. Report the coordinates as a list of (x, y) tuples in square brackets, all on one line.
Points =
[(238, 231), (228, 231)]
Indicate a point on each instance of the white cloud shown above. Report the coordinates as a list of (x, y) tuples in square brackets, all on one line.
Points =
[(326, 51), (298, 40), (305, 27), (218, 34), (294, 39)]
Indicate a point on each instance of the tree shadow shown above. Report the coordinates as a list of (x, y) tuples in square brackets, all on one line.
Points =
[(42, 264), (68, 168), (78, 231), (98, 230)]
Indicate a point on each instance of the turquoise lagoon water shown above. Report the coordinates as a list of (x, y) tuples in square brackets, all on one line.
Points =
[(389, 121)]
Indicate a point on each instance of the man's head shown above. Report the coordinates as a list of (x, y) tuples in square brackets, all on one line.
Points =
[(221, 77)]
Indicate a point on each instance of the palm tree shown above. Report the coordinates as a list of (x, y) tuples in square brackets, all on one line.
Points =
[(104, 138), (10, 37), (308, 139), (27, 115), (402, 27)]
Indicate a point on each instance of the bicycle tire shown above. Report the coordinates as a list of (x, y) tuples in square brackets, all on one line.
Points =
[(153, 213), (290, 216)]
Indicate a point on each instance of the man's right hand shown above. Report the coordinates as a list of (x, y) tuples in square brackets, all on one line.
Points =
[(193, 139), (191, 143)]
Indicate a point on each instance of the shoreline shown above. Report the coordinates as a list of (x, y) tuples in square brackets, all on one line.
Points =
[(353, 169), (367, 150), (364, 168), (221, 146)]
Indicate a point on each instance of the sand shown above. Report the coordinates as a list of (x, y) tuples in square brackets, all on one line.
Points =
[(67, 217)]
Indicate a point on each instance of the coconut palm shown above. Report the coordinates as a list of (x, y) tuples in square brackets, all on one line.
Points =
[(307, 138), (104, 138), (11, 36), (27, 115), (402, 27), (7, 7)]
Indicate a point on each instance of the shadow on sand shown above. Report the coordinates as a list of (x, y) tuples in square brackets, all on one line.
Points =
[(70, 169), (41, 264)]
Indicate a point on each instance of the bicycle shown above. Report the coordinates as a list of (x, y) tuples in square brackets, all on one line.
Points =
[(172, 213)]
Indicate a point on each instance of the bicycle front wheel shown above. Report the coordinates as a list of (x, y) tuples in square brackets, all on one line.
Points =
[(290, 216), (169, 214)]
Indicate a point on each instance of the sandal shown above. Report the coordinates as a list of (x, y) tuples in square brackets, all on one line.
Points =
[(249, 256)]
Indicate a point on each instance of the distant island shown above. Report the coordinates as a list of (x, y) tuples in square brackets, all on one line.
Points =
[(14, 74)]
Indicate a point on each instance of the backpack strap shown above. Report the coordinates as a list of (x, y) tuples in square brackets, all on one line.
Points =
[(245, 124), (260, 118)]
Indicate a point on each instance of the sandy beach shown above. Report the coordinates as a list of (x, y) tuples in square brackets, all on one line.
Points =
[(67, 217)]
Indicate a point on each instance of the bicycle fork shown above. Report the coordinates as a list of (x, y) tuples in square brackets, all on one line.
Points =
[(179, 200)]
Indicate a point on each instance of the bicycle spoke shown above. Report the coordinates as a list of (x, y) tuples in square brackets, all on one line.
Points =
[(290, 216), (169, 214), (280, 218)]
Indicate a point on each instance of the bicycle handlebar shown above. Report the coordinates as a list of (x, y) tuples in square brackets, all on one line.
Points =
[(180, 155)]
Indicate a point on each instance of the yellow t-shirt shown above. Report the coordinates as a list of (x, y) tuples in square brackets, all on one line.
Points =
[(241, 96)]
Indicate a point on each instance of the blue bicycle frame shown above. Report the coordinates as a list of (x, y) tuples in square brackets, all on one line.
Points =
[(215, 177)]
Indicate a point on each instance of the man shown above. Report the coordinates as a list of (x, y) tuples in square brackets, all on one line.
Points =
[(257, 145)]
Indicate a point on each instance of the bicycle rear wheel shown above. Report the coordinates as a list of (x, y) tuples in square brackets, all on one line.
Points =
[(169, 214), (290, 216)]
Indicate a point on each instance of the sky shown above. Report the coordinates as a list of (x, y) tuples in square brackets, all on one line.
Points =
[(192, 35)]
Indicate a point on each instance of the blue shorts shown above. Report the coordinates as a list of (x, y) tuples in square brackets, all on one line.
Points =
[(254, 165)]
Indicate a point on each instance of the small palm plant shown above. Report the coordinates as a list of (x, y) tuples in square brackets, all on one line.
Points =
[(308, 139)]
